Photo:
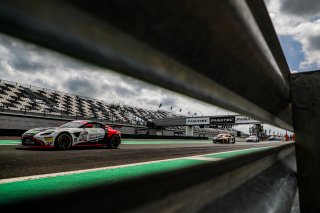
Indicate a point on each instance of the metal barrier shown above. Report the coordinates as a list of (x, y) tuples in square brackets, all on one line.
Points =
[(184, 46), (208, 50), (265, 175)]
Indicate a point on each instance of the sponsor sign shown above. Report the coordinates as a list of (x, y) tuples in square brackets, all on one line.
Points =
[(48, 139), (245, 120), (197, 121), (221, 126), (28, 142), (225, 126), (178, 133), (83, 136), (142, 132), (222, 120)]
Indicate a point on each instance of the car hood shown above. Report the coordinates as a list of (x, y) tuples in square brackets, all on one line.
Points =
[(222, 137), (39, 129)]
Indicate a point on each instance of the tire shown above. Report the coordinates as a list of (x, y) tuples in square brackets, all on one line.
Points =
[(229, 141), (113, 142), (233, 140), (63, 141)]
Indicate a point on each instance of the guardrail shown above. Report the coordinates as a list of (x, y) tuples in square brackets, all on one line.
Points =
[(207, 50), (257, 182), (193, 47)]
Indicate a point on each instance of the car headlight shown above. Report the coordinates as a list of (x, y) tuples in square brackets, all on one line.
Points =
[(46, 133)]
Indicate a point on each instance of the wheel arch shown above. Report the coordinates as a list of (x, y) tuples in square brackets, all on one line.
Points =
[(115, 134), (110, 142), (71, 135)]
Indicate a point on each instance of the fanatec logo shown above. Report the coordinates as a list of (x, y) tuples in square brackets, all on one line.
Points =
[(197, 121), (245, 120), (222, 120)]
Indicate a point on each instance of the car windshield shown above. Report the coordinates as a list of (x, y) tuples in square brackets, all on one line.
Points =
[(72, 124)]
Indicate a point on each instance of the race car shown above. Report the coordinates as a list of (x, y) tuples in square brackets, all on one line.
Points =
[(74, 133), (252, 138), (224, 138)]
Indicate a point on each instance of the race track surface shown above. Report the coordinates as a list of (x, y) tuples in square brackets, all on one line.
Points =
[(17, 161)]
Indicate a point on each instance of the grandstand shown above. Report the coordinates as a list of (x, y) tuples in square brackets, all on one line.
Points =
[(31, 100)]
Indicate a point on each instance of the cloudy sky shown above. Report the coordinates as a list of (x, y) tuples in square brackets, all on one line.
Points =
[(297, 24), (32, 65)]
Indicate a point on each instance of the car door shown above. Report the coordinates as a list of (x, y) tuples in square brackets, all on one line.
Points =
[(100, 131), (95, 132)]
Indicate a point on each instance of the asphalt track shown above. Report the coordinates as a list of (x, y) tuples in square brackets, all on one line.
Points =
[(17, 161), (39, 171)]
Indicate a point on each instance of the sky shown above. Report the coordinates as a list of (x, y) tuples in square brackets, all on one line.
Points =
[(297, 24)]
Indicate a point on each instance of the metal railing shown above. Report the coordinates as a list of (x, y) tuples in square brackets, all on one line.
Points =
[(225, 53)]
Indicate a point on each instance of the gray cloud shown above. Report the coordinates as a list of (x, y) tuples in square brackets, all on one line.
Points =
[(124, 92), (26, 65), (146, 101), (29, 64), (314, 42), (136, 83), (19, 55), (301, 8), (30, 58), (41, 83), (81, 86), (120, 89), (169, 101)]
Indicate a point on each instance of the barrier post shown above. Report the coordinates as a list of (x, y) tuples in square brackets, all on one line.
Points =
[(305, 89)]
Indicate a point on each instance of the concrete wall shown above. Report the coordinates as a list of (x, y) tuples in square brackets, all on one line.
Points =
[(127, 130), (168, 133), (25, 123), (16, 124), (20, 122)]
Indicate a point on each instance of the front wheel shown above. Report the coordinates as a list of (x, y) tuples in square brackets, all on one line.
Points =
[(113, 142), (63, 141)]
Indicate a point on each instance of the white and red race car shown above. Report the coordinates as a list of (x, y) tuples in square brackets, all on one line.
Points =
[(74, 133)]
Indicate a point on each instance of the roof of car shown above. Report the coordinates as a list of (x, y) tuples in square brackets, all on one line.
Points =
[(81, 121), (87, 121)]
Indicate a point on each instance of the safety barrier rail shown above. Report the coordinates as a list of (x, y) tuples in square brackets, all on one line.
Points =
[(225, 53), (263, 181)]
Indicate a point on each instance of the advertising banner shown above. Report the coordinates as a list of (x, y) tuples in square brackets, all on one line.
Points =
[(245, 120), (197, 121), (142, 132), (222, 120), (238, 119)]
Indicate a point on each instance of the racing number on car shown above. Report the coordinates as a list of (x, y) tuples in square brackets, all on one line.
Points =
[(83, 136)]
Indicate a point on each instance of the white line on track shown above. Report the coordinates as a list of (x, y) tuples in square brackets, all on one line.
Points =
[(194, 157), (10, 143), (204, 158)]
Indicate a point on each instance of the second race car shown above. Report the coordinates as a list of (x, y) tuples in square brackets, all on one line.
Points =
[(224, 138), (74, 133)]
